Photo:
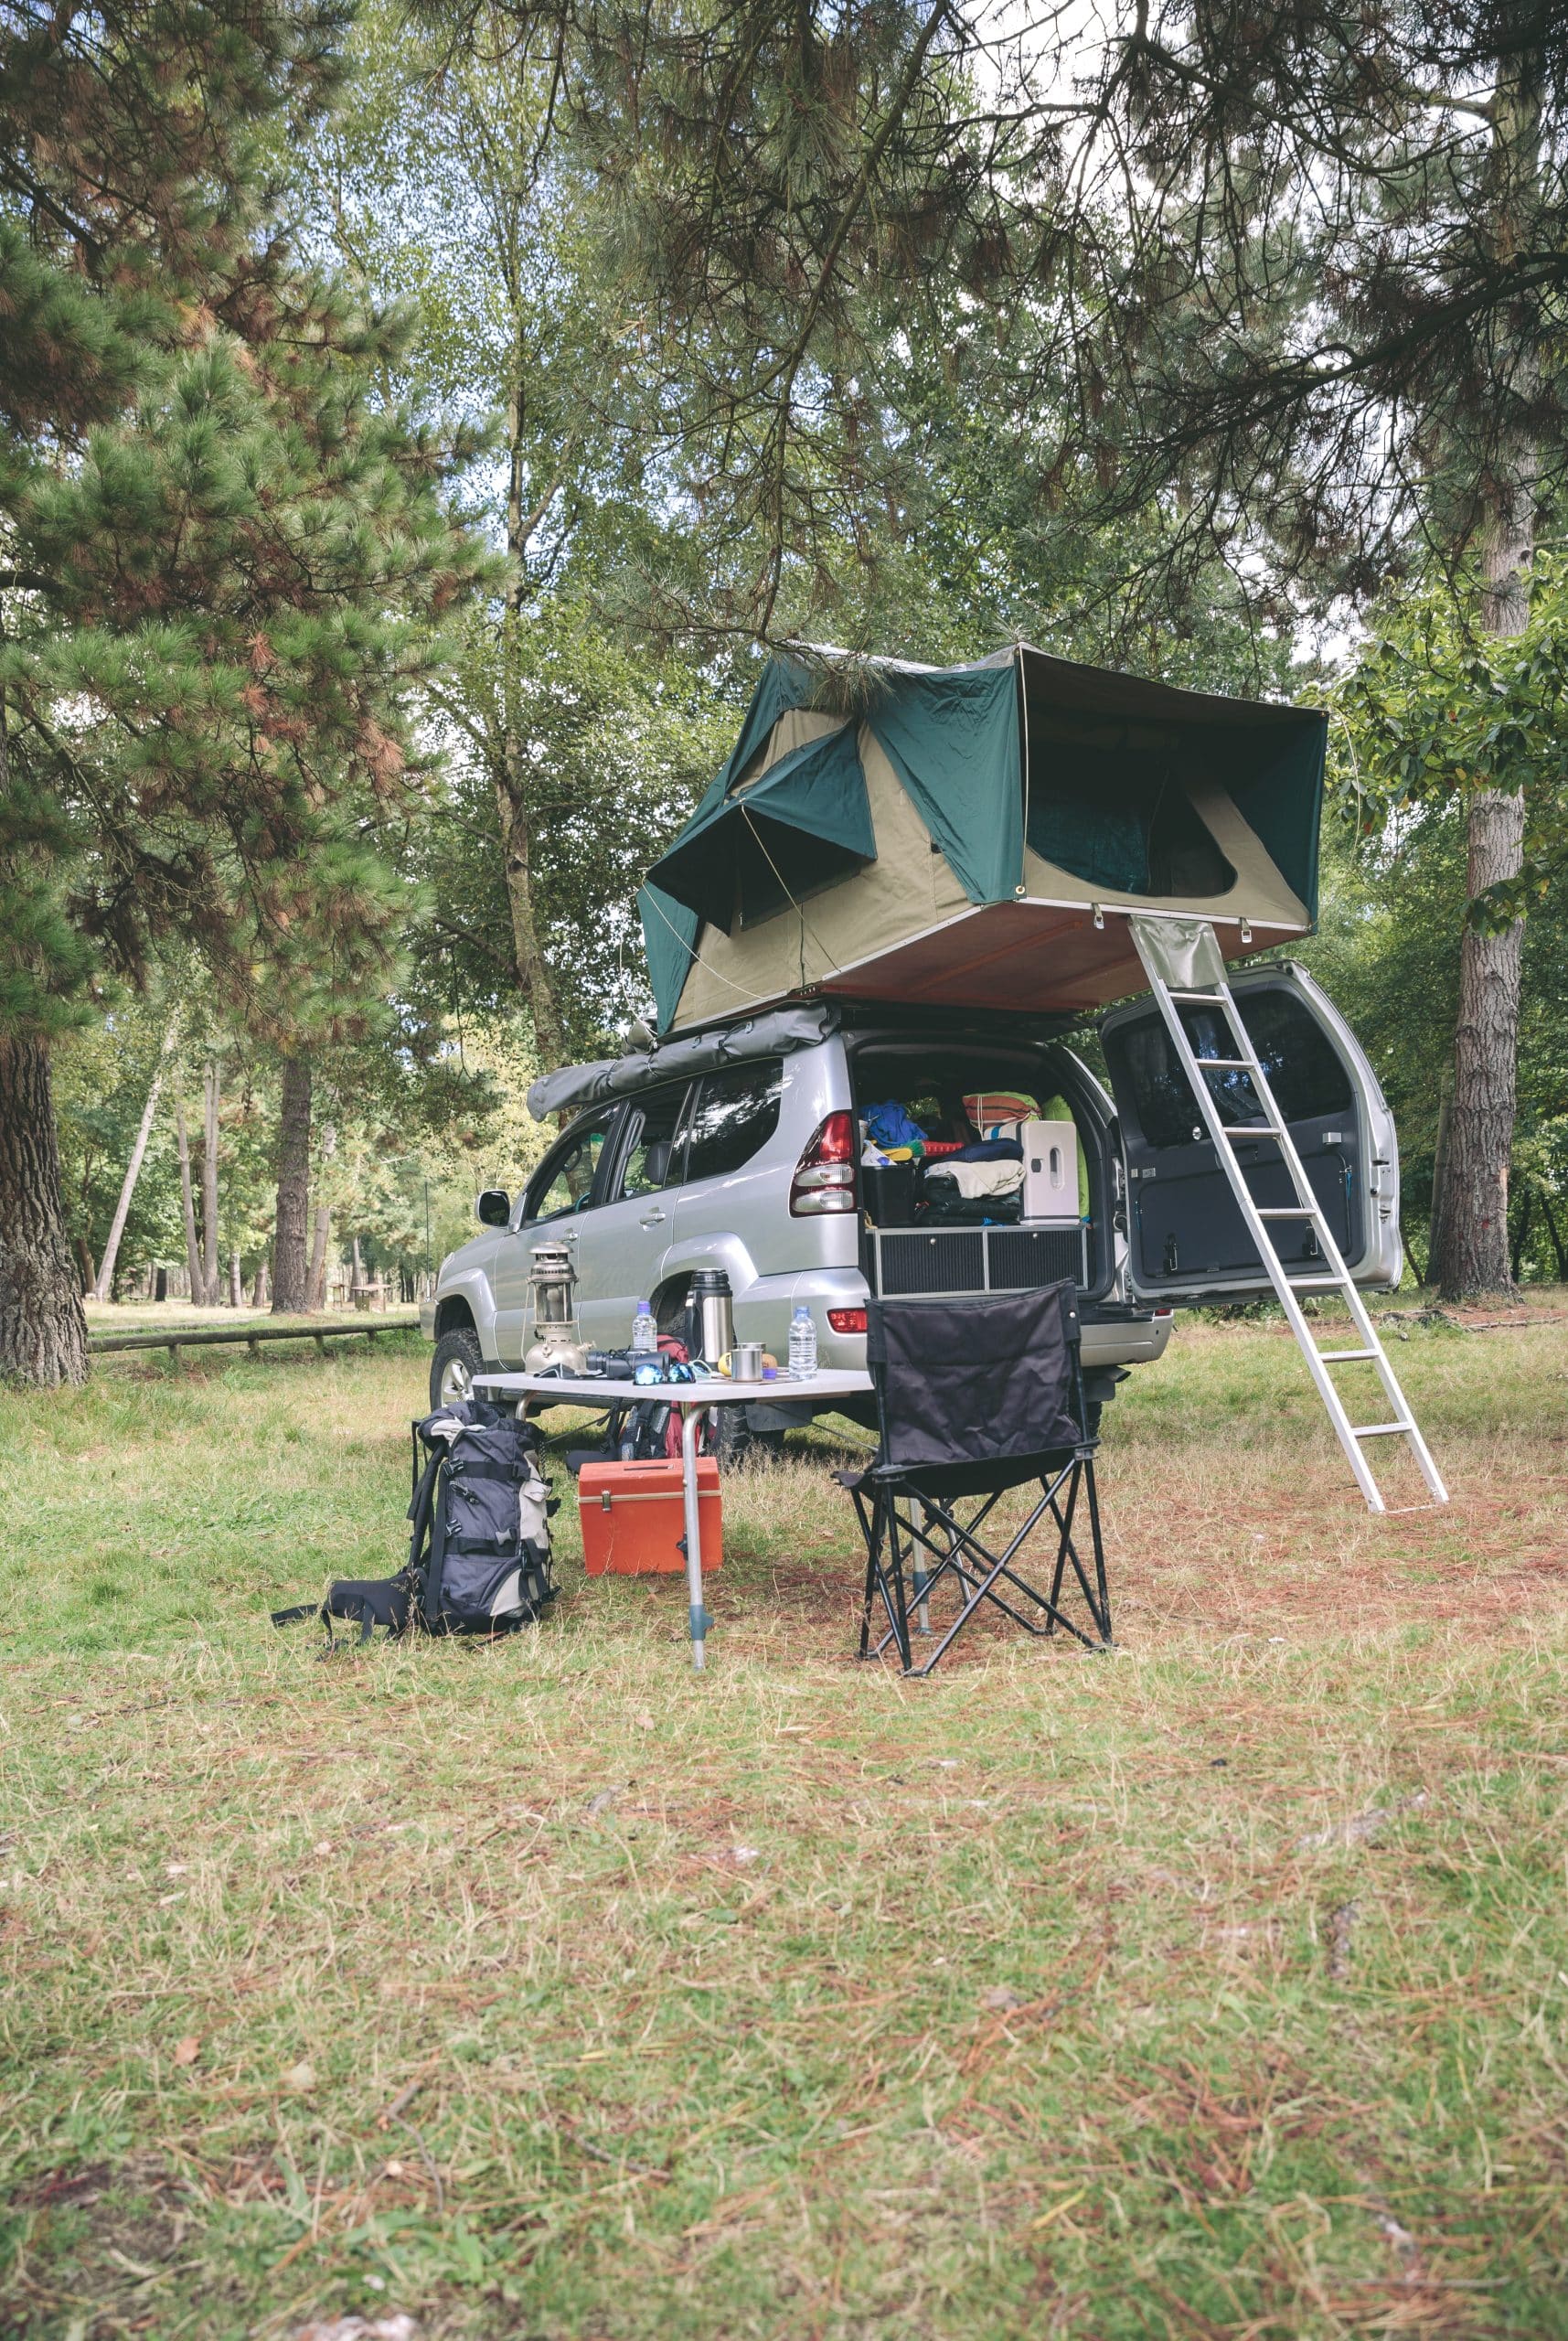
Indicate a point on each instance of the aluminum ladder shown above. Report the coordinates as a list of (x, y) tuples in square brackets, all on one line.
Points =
[(1183, 959)]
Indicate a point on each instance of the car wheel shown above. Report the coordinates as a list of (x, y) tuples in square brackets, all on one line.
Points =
[(452, 1368), (739, 1444)]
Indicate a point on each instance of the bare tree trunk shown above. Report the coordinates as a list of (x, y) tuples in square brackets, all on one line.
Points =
[(43, 1329), (512, 780), (323, 1230), (103, 1282), (359, 1267), (210, 1264), (290, 1263), (263, 1293), (320, 1239), (1470, 1254), (236, 1282), (192, 1252)]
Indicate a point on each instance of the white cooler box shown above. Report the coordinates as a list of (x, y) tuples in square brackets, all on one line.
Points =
[(1050, 1170)]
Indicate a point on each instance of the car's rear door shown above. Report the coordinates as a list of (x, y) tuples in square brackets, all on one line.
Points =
[(1187, 1240)]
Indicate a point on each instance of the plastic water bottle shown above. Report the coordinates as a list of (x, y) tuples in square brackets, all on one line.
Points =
[(644, 1332), (802, 1345)]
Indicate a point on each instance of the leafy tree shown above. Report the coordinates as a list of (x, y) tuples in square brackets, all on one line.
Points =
[(1279, 287), (1436, 721), (227, 565)]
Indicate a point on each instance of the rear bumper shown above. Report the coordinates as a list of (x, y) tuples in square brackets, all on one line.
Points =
[(1114, 1333)]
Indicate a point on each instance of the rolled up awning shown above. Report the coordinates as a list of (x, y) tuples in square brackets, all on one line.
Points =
[(801, 824)]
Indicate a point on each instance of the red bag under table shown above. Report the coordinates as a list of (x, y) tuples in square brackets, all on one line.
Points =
[(634, 1517)]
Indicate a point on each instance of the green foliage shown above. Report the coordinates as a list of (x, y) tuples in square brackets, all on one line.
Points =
[(1387, 951), (1435, 713), (229, 558)]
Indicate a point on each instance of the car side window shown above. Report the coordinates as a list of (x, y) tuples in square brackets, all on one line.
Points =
[(652, 1158), (737, 1111), (564, 1182)]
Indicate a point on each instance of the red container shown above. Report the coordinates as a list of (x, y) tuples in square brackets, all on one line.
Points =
[(634, 1517)]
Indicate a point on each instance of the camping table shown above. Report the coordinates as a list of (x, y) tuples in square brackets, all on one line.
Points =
[(693, 1398)]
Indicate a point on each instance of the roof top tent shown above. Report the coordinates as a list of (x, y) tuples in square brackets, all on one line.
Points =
[(976, 837)]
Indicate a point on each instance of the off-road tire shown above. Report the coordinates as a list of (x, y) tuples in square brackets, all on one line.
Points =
[(452, 1368)]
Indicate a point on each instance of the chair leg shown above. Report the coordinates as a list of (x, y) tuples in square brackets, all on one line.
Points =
[(871, 1529), (884, 1576), (1103, 1619), (898, 1607)]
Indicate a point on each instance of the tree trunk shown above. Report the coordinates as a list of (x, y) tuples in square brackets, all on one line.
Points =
[(319, 1256), (212, 1270), (103, 1283), (290, 1262), (359, 1267), (323, 1231), (192, 1252), (43, 1327), (236, 1282), (1556, 1238), (1521, 1233), (263, 1283), (1471, 1251), (534, 980)]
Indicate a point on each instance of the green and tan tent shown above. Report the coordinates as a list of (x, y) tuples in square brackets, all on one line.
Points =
[(976, 835)]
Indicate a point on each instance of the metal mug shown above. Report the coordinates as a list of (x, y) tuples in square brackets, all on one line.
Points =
[(746, 1361)]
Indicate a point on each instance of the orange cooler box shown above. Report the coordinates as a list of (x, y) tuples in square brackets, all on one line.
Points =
[(634, 1517)]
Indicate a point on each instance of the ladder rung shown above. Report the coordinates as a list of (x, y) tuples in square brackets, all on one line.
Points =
[(1288, 1211), (1249, 1129), (1227, 1065), (1322, 1284), (1339, 1357), (1210, 999), (1380, 1430)]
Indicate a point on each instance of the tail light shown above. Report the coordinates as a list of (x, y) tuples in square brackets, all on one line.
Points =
[(825, 1176), (847, 1321)]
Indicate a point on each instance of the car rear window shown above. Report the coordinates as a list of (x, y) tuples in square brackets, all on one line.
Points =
[(736, 1112), (1304, 1071)]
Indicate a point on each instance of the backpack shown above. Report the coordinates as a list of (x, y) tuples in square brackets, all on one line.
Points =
[(479, 1557), (480, 1541)]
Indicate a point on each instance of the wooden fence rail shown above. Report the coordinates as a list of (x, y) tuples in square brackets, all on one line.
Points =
[(174, 1338)]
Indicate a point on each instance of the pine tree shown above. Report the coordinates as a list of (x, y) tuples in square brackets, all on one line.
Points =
[(225, 569)]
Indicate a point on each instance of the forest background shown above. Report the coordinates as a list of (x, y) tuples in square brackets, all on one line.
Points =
[(698, 334)]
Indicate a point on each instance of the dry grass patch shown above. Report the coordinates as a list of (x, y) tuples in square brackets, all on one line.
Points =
[(1211, 1988)]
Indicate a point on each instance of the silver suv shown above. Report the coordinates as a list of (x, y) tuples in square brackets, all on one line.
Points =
[(753, 1167)]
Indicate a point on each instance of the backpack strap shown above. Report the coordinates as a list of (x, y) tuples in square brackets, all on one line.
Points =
[(301, 1611), (437, 1547)]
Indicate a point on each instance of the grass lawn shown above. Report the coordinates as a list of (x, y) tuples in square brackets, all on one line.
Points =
[(1215, 1987)]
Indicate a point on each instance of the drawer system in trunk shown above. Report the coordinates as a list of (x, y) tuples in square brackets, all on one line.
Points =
[(928, 1261)]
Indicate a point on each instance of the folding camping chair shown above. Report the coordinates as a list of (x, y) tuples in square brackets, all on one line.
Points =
[(976, 1397)]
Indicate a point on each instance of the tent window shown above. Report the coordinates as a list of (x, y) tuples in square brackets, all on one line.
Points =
[(775, 865), (1123, 822)]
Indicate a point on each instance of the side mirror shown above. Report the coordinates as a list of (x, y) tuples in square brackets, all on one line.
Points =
[(494, 1207)]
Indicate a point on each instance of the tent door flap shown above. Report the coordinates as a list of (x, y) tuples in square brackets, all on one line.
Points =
[(1187, 1240)]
